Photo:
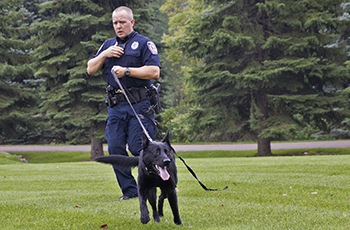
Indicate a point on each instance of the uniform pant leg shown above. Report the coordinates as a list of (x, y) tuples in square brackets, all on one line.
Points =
[(116, 135), (135, 130)]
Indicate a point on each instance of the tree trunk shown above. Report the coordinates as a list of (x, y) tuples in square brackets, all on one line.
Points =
[(264, 147), (96, 145), (264, 144)]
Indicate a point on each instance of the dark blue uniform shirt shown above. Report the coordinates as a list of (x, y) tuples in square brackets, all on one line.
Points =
[(139, 51)]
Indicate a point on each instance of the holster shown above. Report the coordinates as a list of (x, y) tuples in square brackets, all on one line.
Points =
[(153, 94)]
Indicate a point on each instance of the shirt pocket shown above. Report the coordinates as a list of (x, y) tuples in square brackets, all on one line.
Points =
[(134, 59)]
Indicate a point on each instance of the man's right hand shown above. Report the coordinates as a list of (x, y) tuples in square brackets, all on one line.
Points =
[(94, 65), (114, 51)]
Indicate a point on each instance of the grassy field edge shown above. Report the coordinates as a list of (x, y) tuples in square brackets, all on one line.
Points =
[(53, 157)]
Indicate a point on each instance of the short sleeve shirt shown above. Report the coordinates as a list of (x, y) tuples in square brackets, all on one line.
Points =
[(139, 51)]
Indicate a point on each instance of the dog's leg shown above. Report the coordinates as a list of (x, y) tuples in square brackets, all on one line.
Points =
[(172, 197), (143, 206), (153, 201), (161, 199)]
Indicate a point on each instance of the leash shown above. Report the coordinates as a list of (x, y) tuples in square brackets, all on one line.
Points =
[(195, 176), (150, 139), (127, 99)]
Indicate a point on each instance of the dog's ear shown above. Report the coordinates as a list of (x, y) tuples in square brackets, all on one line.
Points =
[(166, 138), (145, 141)]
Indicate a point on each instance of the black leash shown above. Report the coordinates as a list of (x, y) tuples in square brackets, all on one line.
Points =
[(150, 139), (195, 176), (127, 98)]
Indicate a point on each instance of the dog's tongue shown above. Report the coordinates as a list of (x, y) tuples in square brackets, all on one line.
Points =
[(163, 173)]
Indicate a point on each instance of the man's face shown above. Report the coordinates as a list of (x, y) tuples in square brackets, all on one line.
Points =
[(122, 24)]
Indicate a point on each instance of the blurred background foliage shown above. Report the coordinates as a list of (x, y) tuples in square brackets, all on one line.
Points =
[(231, 70)]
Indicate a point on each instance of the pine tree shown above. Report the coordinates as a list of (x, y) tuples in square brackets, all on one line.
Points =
[(75, 30), (18, 100), (264, 67)]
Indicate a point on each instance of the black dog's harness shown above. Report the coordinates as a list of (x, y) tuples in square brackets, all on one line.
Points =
[(150, 139)]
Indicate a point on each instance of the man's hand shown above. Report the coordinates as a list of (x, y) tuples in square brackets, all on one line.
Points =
[(114, 51), (119, 71), (95, 64)]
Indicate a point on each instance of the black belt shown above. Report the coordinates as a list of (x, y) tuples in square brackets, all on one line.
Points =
[(135, 94)]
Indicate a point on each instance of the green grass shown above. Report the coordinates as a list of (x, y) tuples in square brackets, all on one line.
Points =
[(263, 193), (53, 157), (9, 159), (277, 152)]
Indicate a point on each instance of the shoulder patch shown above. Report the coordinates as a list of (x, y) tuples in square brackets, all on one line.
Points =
[(152, 47)]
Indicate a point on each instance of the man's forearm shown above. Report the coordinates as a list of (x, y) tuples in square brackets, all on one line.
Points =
[(94, 65), (145, 72)]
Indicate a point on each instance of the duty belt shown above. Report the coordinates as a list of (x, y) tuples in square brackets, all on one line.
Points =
[(115, 96)]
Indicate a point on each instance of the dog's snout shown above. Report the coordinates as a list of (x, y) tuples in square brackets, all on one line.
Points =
[(166, 161)]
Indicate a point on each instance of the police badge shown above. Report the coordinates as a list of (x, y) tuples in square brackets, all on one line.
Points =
[(134, 45)]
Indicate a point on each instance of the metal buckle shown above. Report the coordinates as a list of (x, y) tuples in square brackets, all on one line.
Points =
[(119, 91)]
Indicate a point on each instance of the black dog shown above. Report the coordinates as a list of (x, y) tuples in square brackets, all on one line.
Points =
[(156, 169)]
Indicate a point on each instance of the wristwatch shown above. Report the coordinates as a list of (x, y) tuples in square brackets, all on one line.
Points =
[(127, 71)]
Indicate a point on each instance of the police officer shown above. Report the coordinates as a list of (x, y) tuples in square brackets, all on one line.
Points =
[(134, 59)]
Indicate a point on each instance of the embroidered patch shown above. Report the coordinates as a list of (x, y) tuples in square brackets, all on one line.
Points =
[(134, 45), (152, 47)]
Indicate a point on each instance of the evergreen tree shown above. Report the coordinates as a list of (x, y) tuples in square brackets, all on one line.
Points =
[(75, 30), (18, 100), (263, 67)]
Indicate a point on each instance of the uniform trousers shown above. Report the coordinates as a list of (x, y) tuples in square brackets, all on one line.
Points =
[(123, 128)]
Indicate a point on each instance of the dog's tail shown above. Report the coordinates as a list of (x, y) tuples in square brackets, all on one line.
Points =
[(119, 160)]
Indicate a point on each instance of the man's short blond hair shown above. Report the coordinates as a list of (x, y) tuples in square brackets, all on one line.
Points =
[(124, 8)]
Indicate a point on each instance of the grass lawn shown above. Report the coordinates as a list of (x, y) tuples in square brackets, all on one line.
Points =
[(299, 192), (54, 157)]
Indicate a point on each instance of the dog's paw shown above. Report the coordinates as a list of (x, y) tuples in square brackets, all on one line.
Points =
[(145, 219), (177, 221), (160, 211), (156, 217)]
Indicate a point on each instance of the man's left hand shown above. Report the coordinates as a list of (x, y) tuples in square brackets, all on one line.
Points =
[(119, 71)]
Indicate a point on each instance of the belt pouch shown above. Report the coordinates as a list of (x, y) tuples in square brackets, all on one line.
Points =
[(135, 95)]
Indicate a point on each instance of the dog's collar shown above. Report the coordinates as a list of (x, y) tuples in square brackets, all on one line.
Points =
[(152, 171), (149, 169)]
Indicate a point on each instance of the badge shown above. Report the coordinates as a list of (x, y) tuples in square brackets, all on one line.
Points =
[(134, 45), (152, 47)]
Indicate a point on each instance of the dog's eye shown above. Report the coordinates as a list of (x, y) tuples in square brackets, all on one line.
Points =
[(156, 152)]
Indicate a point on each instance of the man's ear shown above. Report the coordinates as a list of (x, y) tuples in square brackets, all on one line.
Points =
[(166, 138), (145, 141)]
